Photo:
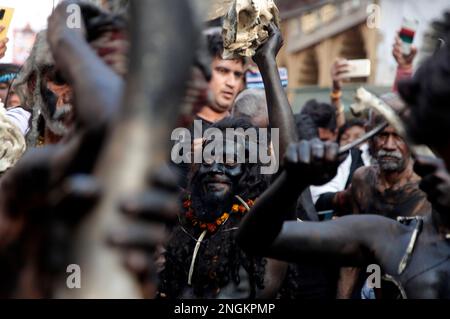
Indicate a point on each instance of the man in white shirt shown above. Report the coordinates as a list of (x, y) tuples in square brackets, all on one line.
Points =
[(340, 181)]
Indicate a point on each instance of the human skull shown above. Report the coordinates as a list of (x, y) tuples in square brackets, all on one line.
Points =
[(243, 28)]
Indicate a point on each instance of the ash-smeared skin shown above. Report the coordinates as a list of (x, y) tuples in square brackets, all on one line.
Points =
[(372, 239), (220, 261), (215, 185), (390, 189), (212, 193), (278, 107), (370, 196), (35, 192)]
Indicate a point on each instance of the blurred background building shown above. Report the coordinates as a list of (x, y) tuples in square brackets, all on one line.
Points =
[(316, 32)]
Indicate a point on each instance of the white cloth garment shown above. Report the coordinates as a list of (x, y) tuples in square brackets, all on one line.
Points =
[(338, 183), (20, 118)]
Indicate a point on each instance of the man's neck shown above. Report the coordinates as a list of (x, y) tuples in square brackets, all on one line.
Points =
[(210, 115), (394, 180)]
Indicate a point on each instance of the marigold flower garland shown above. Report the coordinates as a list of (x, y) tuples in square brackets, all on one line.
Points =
[(212, 227)]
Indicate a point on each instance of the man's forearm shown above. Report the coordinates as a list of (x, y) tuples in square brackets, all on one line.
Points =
[(98, 89), (263, 223), (279, 109)]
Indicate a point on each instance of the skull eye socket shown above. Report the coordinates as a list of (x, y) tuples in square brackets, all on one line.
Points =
[(245, 18)]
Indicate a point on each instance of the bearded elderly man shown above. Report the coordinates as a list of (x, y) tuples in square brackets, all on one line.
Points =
[(389, 188)]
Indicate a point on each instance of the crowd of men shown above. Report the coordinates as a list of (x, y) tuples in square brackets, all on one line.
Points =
[(221, 228)]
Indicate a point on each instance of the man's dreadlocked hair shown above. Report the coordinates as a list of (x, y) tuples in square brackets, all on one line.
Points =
[(428, 96), (220, 258), (28, 84)]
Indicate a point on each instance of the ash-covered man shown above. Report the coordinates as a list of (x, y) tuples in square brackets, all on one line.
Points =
[(42, 88), (203, 259), (28, 187), (389, 188), (413, 254)]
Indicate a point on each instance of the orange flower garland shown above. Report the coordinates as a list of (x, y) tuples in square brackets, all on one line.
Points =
[(212, 227)]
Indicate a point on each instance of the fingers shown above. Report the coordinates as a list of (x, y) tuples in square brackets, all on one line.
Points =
[(77, 196), (159, 203), (274, 32), (155, 206), (272, 28), (331, 152), (82, 186), (339, 69), (291, 155), (165, 179), (138, 235), (304, 152), (317, 150), (340, 64), (314, 162)]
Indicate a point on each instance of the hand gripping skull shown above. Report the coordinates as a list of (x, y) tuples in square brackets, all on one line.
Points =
[(243, 28)]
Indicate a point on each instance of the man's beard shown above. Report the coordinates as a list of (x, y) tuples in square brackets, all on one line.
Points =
[(210, 205), (396, 163), (56, 123)]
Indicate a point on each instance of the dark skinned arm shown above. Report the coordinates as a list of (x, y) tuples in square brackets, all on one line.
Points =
[(347, 241), (98, 93), (279, 109), (306, 163), (102, 88)]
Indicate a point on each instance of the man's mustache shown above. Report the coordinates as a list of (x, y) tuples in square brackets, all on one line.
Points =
[(393, 154), (61, 112)]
